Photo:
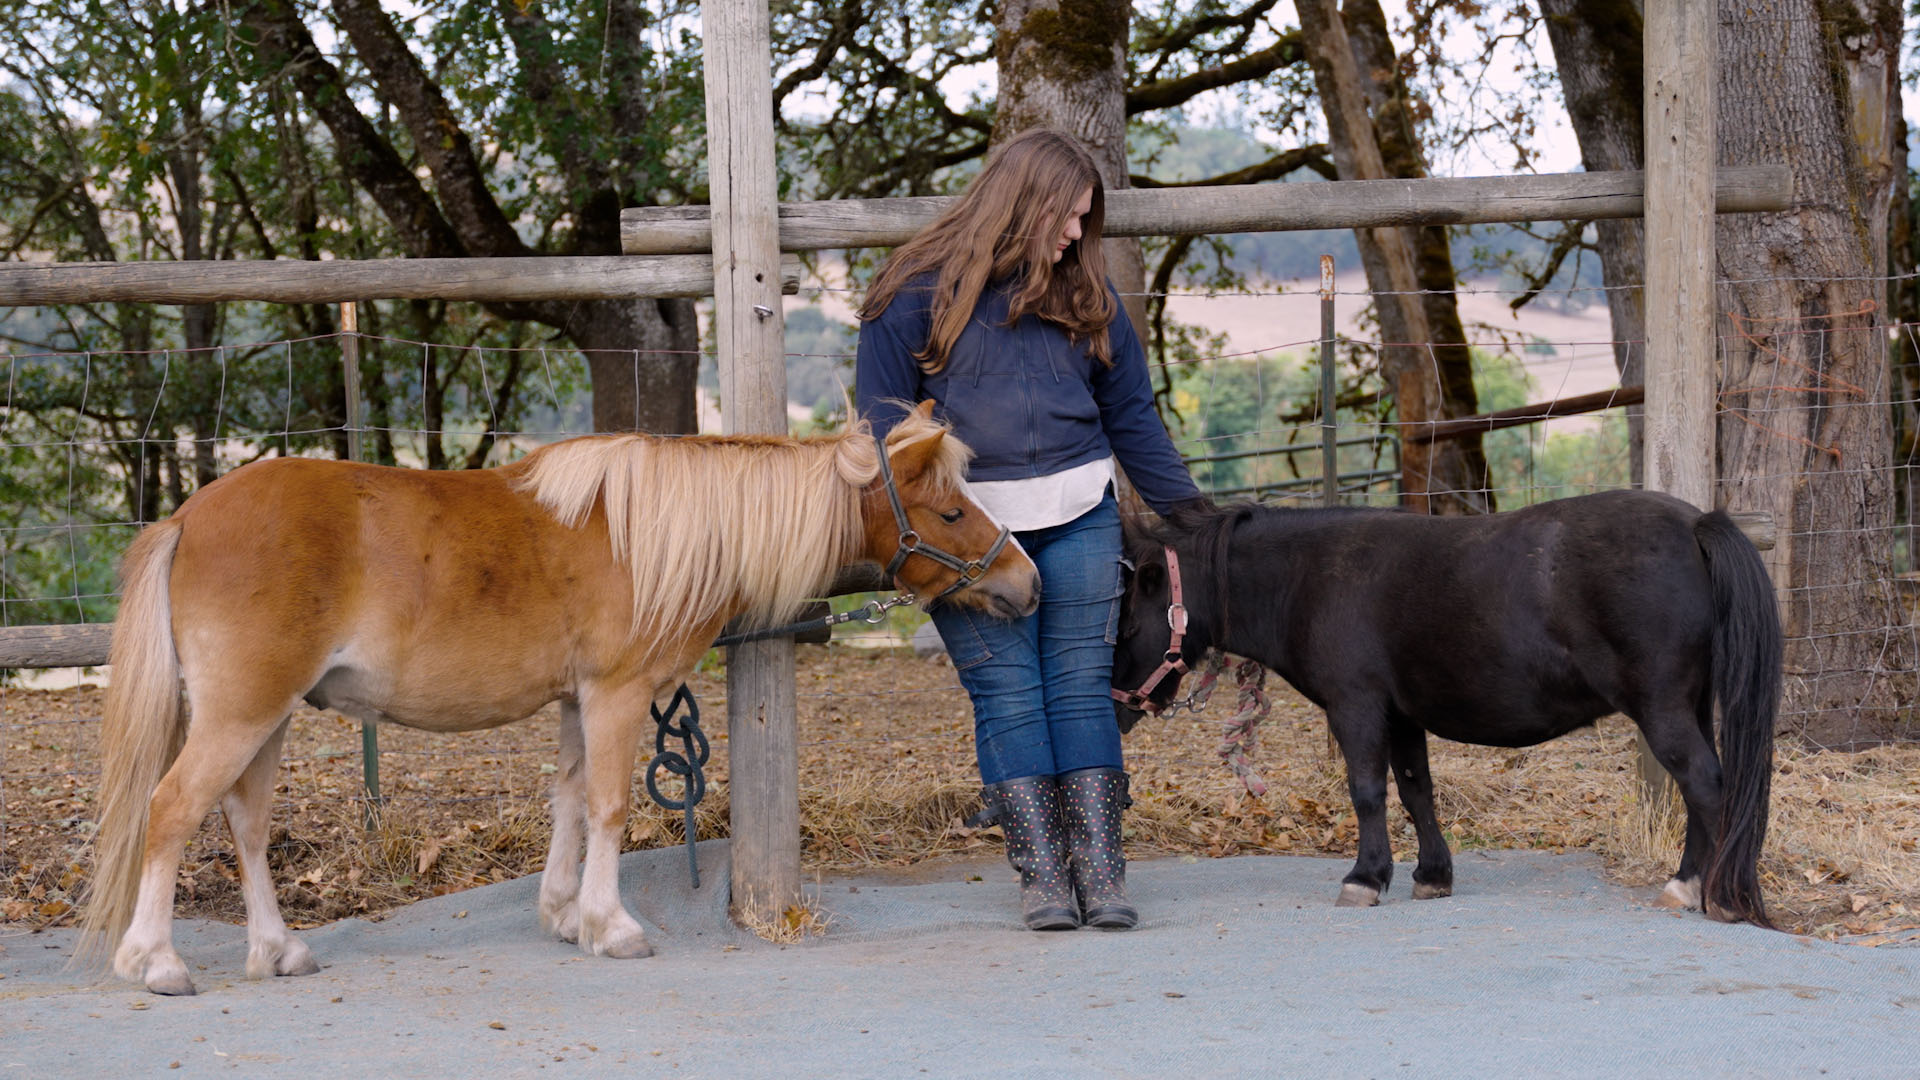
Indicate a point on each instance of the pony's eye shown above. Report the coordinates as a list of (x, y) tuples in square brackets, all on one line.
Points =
[(951, 516)]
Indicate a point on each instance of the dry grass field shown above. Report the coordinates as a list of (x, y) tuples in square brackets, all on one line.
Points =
[(887, 780)]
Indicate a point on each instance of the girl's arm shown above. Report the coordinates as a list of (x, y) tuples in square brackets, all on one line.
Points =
[(1140, 441), (886, 376)]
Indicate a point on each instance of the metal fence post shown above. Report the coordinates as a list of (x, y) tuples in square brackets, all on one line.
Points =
[(1329, 420), (350, 371)]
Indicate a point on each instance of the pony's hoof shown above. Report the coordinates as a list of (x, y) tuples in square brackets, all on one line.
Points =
[(161, 972), (1679, 896), (1352, 895), (1429, 890), (171, 984), (303, 964), (291, 958), (636, 949), (621, 938)]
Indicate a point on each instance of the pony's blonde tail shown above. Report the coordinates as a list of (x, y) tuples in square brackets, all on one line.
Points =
[(141, 732)]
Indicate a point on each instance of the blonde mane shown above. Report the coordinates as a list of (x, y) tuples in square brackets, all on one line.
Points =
[(724, 525)]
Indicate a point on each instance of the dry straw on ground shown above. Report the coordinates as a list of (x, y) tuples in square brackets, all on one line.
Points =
[(887, 780)]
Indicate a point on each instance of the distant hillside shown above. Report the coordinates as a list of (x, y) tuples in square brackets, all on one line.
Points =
[(1479, 252)]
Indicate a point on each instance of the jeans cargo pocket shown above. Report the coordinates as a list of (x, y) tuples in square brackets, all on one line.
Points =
[(1113, 605)]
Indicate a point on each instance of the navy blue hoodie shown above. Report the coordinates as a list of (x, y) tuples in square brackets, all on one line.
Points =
[(1029, 401)]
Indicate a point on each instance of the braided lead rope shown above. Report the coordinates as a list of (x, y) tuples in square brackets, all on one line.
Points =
[(1237, 740), (1214, 663), (1237, 743)]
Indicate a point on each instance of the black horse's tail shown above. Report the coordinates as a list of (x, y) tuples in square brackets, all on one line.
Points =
[(1746, 683)]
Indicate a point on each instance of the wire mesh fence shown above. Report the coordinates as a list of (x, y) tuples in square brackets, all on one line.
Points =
[(96, 442)]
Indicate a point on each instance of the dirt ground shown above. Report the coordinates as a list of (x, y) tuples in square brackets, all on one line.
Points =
[(887, 779)]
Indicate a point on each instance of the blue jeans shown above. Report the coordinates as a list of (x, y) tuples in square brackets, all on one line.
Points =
[(1039, 684)]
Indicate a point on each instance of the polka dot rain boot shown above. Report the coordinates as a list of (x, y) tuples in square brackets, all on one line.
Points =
[(1090, 802), (1028, 811)]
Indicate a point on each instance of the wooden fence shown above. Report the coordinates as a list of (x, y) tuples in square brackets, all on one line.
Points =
[(671, 252)]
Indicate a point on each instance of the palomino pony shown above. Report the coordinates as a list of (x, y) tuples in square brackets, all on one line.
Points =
[(1501, 630), (594, 572)]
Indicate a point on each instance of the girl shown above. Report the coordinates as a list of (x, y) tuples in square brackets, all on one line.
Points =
[(1001, 313)]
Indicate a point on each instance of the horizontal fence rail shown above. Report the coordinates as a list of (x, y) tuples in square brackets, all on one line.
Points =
[(1239, 208), (1528, 414), (297, 281)]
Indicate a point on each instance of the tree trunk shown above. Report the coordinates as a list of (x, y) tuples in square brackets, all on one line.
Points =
[(1903, 310), (1063, 64), (197, 321), (1461, 458), (644, 363), (1805, 426), (1391, 261), (1598, 47)]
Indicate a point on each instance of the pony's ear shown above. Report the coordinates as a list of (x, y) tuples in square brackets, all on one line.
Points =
[(910, 459)]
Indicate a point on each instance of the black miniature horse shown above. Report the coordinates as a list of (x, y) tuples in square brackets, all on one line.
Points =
[(1501, 630)]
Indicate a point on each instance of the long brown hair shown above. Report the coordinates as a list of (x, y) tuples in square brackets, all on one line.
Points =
[(1006, 225)]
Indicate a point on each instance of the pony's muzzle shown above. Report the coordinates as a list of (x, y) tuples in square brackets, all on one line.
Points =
[(1016, 601)]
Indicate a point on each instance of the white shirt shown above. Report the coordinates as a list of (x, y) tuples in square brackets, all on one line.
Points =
[(1040, 501)]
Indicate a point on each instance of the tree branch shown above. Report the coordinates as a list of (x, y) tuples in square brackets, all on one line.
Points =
[(1274, 168), (1566, 243), (847, 20), (532, 37), (365, 155), (1182, 36), (1166, 94), (437, 135)]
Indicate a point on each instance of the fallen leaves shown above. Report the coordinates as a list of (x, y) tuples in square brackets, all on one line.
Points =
[(1824, 872)]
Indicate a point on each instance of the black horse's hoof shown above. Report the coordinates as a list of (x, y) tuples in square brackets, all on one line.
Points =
[(1352, 895)]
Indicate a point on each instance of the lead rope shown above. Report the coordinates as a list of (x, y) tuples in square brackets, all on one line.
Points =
[(688, 764), (684, 765), (1237, 743)]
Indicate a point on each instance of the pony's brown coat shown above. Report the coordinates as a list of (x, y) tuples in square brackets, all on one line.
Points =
[(594, 572)]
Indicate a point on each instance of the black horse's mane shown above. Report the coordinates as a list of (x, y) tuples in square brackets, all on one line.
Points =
[(1206, 529), (1202, 527)]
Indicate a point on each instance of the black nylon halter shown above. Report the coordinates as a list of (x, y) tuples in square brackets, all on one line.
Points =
[(911, 544)]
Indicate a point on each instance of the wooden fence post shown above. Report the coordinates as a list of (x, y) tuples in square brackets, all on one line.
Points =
[(1682, 55), (749, 330)]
